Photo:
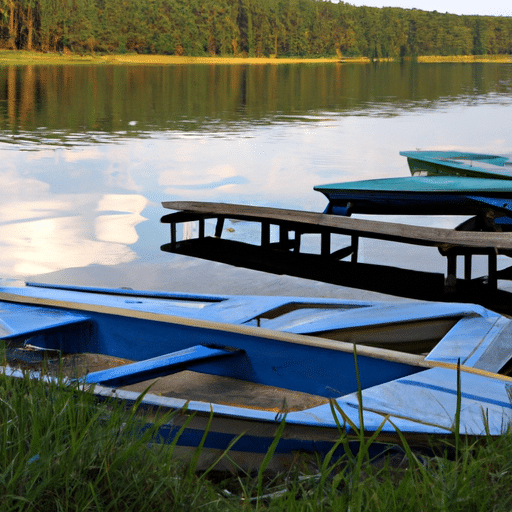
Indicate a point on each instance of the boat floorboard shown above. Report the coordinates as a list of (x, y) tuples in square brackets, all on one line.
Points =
[(201, 387), (73, 366), (186, 385)]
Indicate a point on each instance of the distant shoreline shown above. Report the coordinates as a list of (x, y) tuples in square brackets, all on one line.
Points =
[(21, 57)]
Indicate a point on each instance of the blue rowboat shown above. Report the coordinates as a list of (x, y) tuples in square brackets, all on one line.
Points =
[(457, 163), (254, 362), (420, 195)]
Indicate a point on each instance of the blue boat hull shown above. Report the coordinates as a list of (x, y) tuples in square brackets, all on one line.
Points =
[(227, 366)]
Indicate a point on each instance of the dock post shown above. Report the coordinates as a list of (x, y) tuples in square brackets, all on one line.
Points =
[(201, 228), (451, 274), (468, 259), (173, 235), (265, 234), (283, 237), (296, 242), (493, 274), (219, 227), (355, 248), (325, 243)]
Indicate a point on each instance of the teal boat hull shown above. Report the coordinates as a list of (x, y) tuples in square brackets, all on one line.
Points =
[(457, 163), (432, 195)]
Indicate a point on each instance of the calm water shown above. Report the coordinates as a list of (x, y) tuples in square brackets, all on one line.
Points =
[(88, 153)]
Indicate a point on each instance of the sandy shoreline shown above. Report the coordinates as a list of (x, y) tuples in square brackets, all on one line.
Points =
[(24, 57), (21, 57)]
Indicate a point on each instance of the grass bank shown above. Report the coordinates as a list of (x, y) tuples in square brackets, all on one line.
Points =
[(22, 57), (61, 450), (467, 58)]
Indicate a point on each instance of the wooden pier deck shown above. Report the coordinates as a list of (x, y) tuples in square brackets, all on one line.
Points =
[(284, 256)]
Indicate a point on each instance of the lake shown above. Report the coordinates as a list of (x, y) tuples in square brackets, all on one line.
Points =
[(87, 154)]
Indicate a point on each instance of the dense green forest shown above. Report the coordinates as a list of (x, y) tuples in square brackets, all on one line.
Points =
[(246, 27)]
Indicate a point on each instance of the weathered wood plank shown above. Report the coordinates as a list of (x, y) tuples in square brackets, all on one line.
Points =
[(417, 235)]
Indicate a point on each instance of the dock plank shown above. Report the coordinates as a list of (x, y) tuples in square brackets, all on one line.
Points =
[(417, 235)]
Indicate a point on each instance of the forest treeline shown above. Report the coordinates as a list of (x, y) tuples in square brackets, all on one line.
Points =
[(246, 27)]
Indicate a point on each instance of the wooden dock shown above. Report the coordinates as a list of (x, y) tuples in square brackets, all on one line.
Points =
[(284, 256)]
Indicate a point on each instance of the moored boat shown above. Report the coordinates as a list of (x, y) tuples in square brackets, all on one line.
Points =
[(458, 163), (420, 195), (254, 362)]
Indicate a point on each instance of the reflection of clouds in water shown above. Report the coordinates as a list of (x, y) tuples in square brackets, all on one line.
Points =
[(235, 180), (126, 166), (115, 164), (187, 152), (120, 228), (23, 211), (34, 156), (47, 245), (90, 169), (122, 203), (118, 175), (53, 237), (13, 185), (250, 171), (117, 228), (78, 154), (207, 178), (67, 155), (225, 169)]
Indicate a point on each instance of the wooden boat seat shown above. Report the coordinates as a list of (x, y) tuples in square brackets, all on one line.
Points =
[(158, 366)]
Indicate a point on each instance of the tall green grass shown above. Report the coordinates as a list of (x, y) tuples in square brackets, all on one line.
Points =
[(62, 450)]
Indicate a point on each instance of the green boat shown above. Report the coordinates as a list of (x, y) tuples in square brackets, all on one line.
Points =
[(456, 163)]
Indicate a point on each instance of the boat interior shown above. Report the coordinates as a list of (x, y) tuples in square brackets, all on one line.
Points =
[(277, 354)]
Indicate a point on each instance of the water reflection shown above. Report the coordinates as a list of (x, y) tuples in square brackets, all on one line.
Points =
[(43, 232), (119, 227), (87, 104), (108, 144)]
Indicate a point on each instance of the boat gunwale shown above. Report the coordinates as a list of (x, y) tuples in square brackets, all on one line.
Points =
[(260, 332), (247, 330), (485, 166), (422, 185)]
